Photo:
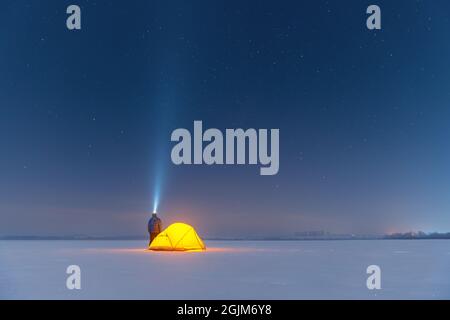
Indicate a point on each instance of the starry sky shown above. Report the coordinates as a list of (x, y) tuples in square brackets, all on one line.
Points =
[(86, 116)]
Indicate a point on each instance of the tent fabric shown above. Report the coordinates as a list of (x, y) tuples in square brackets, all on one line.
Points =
[(178, 237)]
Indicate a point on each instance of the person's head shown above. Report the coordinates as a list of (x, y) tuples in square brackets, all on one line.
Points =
[(154, 214)]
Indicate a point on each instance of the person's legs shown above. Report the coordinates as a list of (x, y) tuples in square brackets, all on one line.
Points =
[(151, 239)]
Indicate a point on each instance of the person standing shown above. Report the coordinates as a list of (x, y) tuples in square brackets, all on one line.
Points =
[(154, 227)]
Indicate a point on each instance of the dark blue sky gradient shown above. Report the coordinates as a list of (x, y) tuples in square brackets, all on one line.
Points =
[(86, 116)]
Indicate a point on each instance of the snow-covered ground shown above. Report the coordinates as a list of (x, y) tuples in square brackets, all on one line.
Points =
[(228, 270)]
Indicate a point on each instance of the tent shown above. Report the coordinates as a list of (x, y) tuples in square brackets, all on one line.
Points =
[(178, 237)]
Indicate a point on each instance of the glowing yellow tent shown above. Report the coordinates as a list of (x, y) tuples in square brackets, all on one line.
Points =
[(178, 237)]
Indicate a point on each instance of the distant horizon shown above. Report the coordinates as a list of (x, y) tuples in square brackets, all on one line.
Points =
[(327, 236)]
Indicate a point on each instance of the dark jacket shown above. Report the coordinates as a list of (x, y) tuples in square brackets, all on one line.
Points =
[(154, 225)]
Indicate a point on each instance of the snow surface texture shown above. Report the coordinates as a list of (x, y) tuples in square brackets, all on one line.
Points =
[(228, 270)]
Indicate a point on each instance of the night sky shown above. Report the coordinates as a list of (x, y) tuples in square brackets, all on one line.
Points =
[(86, 116)]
